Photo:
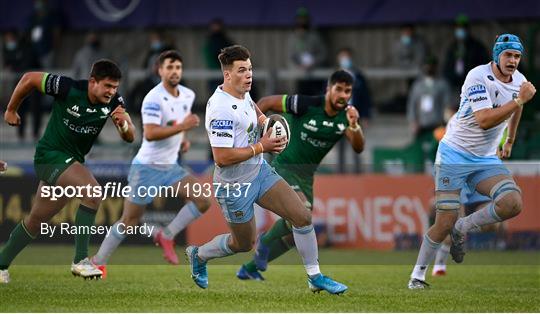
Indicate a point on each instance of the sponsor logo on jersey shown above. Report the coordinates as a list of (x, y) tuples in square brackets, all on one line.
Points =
[(222, 134), (234, 107), (151, 107), (221, 124), (313, 141), (341, 128), (329, 124), (476, 89), (310, 127), (52, 85), (479, 98), (91, 110), (82, 129), (74, 111), (490, 78)]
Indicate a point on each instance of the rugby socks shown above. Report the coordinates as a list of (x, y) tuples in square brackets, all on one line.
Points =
[(278, 230), (109, 245), (217, 247), (277, 248), (185, 216), (85, 217), (18, 240), (428, 249), (306, 244), (482, 217), (442, 255)]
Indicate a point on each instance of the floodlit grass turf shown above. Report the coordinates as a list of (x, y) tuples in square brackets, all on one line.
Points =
[(377, 283)]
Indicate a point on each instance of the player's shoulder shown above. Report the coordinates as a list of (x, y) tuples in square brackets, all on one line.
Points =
[(155, 94), (480, 73), (186, 91)]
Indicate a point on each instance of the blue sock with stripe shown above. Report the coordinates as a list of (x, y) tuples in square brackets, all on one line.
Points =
[(428, 249), (306, 244)]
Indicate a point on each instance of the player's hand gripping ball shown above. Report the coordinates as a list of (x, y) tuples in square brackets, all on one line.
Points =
[(278, 126)]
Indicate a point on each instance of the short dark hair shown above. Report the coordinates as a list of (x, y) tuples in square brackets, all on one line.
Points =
[(169, 54), (233, 53), (105, 68), (341, 76)]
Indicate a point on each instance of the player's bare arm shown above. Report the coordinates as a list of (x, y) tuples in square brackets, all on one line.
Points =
[(28, 82), (154, 132), (226, 156), (354, 132), (123, 123), (506, 149), (273, 103), (488, 118)]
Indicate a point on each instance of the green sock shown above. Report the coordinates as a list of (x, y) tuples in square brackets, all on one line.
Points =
[(278, 230), (277, 248), (85, 217), (18, 240)]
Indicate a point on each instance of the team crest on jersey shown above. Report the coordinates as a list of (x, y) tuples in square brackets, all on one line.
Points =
[(446, 181), (105, 110)]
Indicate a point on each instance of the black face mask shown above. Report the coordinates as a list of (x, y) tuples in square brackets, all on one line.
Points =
[(303, 26)]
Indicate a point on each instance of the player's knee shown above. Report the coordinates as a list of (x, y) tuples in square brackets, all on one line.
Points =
[(91, 202), (243, 246), (511, 205), (447, 202), (444, 226), (303, 219), (32, 223), (130, 220), (507, 196), (202, 204)]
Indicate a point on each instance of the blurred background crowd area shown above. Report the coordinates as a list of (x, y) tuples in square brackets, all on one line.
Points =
[(409, 59)]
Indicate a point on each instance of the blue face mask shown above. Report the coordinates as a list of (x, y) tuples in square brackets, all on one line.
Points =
[(156, 45), (406, 40), (345, 63), (460, 33), (11, 45)]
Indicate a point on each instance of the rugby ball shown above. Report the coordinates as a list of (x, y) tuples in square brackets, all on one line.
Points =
[(278, 126)]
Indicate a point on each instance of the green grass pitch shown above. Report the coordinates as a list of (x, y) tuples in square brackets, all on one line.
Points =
[(139, 281)]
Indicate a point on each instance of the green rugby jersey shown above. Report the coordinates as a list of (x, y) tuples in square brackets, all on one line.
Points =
[(313, 132), (74, 123)]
